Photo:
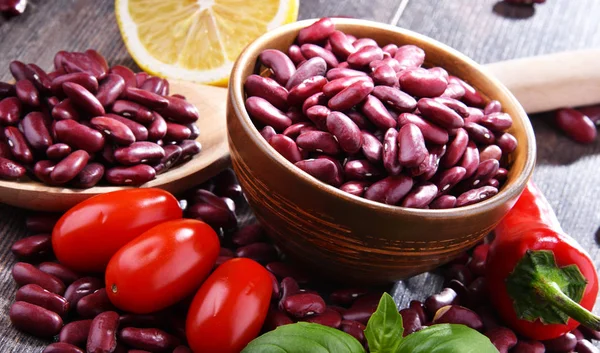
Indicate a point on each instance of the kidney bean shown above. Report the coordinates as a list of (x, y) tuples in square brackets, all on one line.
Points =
[(412, 150), (395, 98), (341, 45), (390, 190), (24, 273), (140, 78), (41, 222), (478, 258), (354, 329), (347, 296), (34, 319), (126, 73), (34, 294), (385, 75), (470, 159), (493, 107), (302, 91), (422, 83), (439, 113), (493, 182), (318, 115), (456, 149), (89, 176), (390, 152), (10, 111), (93, 304), (33, 247), (506, 142), (276, 318), (27, 93), (135, 175), (476, 195), (84, 79), (372, 148), (139, 152), (190, 148), (359, 312), (10, 170), (490, 152), (417, 307), (267, 89), (172, 155), (66, 275), (361, 169), (322, 169), (298, 128), (296, 56), (65, 110), (18, 145), (456, 314), (471, 96), (420, 196), (585, 346), (334, 87), (316, 99), (312, 67), (195, 130), (79, 136), (283, 68), (286, 147), (376, 112), (58, 151), (146, 98), (35, 131), (110, 89), (289, 287), (317, 32), (310, 51), (351, 96), (355, 187), (434, 302), (485, 171), (260, 252), (139, 131), (410, 321), (564, 343), (133, 111), (6, 90), (81, 288), (84, 62), (61, 347), (345, 130), (410, 56), (156, 85), (150, 339), (454, 90), (460, 273), (212, 209), (496, 121), (318, 141), (102, 337), (363, 42), (329, 318), (304, 304), (249, 234), (69, 167), (263, 111), (75, 332), (576, 125), (114, 129), (19, 70), (83, 98), (364, 55), (502, 338), (338, 73), (591, 111), (228, 185)]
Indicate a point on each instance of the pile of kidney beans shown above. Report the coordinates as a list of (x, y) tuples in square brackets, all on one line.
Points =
[(53, 302), (374, 123), (86, 122)]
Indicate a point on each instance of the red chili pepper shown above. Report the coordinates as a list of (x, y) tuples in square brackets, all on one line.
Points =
[(541, 282)]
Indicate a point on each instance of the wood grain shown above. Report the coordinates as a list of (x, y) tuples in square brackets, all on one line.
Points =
[(567, 172)]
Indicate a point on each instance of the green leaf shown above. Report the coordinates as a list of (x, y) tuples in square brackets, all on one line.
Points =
[(384, 329), (446, 338), (535, 283), (304, 337)]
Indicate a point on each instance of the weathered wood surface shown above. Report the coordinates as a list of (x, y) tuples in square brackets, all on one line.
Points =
[(568, 173)]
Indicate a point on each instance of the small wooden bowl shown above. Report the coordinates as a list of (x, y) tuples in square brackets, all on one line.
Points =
[(213, 158), (350, 238)]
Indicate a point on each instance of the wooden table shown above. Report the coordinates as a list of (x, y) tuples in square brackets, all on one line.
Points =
[(568, 173)]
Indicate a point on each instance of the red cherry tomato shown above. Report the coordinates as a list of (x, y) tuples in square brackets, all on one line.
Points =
[(229, 309), (162, 266), (89, 234)]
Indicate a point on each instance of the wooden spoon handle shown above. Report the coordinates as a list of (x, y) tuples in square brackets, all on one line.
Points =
[(548, 82)]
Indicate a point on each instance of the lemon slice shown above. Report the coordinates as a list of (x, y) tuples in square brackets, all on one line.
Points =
[(196, 40)]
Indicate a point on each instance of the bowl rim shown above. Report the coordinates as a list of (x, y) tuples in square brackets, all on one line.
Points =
[(236, 96)]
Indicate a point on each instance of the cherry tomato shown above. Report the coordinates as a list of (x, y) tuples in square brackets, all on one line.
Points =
[(162, 266), (85, 238), (229, 309)]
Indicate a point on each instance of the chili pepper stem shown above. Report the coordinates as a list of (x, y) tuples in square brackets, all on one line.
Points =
[(551, 292)]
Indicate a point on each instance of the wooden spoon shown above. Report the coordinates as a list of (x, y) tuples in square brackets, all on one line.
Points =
[(214, 157), (540, 83)]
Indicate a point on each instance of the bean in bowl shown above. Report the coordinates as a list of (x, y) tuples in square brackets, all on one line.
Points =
[(374, 122)]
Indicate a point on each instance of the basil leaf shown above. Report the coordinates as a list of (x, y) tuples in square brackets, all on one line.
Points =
[(384, 329), (446, 338), (304, 337)]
